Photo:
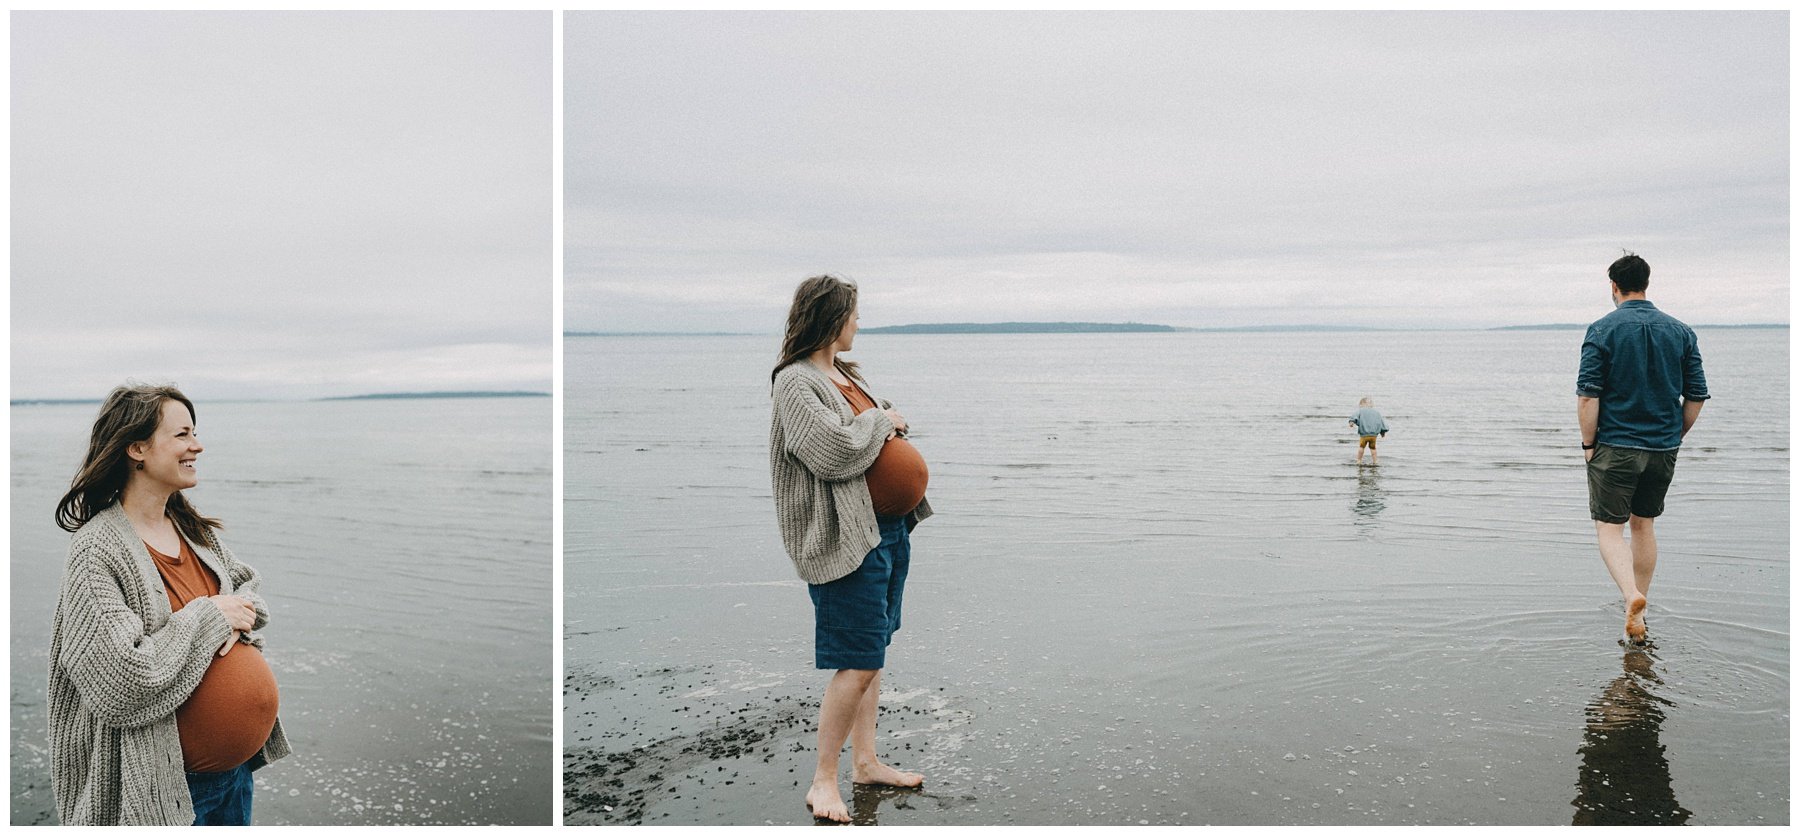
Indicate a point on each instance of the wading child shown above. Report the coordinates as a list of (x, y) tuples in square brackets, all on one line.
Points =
[(1369, 425)]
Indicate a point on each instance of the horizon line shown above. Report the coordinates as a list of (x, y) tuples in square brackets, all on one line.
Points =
[(424, 395), (878, 329)]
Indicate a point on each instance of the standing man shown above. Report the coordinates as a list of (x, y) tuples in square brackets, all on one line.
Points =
[(1638, 393)]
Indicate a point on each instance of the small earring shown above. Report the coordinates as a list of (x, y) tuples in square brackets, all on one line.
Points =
[(140, 465)]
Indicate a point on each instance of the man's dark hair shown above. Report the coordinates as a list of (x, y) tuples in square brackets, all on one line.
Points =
[(1631, 273)]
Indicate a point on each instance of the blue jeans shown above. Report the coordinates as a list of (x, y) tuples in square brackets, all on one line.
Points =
[(855, 616), (221, 797)]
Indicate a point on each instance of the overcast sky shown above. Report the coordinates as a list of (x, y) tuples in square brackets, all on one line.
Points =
[(281, 205), (1411, 170)]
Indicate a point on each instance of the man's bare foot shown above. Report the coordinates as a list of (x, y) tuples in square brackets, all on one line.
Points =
[(883, 775), (825, 802), (1634, 619)]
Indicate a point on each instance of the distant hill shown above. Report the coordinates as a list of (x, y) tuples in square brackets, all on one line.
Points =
[(52, 401), (393, 396), (1022, 328), (1244, 329), (1098, 328)]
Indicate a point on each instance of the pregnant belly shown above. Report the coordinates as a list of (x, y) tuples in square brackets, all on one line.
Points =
[(897, 478), (229, 716)]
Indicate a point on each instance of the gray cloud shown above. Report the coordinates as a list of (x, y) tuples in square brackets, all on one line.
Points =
[(281, 204), (1382, 169)]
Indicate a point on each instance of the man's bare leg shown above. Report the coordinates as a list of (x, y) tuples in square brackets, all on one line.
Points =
[(865, 767), (1643, 552), (837, 714), (1616, 553)]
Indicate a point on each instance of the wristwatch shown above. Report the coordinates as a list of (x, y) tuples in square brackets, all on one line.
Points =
[(1590, 446)]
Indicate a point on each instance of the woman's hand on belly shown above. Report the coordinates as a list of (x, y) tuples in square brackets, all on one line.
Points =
[(239, 614), (238, 611)]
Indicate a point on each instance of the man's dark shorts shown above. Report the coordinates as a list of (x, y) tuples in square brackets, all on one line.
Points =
[(1623, 483)]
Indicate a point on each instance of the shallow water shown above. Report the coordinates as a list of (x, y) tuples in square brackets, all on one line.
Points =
[(1157, 589), (405, 548)]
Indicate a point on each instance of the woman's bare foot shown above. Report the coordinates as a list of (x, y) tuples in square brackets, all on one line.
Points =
[(1634, 619), (884, 775), (825, 802)]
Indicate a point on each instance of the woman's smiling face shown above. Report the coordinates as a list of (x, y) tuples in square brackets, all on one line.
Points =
[(168, 457)]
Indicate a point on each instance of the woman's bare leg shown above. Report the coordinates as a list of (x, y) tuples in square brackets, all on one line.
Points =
[(865, 767), (837, 714)]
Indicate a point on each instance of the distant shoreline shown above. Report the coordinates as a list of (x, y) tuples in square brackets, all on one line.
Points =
[(1023, 328)]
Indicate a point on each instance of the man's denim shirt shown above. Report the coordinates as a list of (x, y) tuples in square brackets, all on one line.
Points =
[(1640, 363)]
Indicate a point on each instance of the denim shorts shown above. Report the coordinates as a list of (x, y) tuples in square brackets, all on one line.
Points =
[(1624, 482), (856, 615), (221, 797)]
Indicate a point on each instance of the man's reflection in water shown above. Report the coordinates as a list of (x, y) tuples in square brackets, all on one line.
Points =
[(1370, 498), (1624, 774)]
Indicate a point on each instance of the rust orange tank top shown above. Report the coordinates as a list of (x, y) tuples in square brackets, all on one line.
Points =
[(898, 476), (228, 718)]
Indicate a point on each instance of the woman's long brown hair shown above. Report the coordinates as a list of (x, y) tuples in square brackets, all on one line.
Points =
[(822, 306), (130, 414)]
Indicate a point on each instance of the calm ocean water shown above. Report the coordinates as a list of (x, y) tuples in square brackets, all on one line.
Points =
[(406, 553), (1157, 590)]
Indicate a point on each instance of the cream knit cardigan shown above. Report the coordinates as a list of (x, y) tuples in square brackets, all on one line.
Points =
[(818, 452), (120, 664)]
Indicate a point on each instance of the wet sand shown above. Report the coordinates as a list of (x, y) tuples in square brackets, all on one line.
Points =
[(1334, 720)]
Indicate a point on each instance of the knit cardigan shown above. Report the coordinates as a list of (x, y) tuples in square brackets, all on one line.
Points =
[(121, 663), (818, 453)]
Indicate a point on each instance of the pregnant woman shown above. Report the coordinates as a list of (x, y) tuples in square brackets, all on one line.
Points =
[(848, 489), (160, 701)]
